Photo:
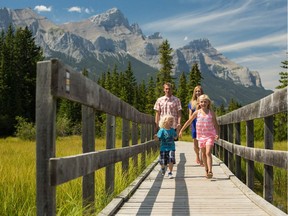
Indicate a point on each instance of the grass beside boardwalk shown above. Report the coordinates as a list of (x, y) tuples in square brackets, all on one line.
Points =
[(18, 178)]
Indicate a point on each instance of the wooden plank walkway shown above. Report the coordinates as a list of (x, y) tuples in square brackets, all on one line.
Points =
[(190, 193)]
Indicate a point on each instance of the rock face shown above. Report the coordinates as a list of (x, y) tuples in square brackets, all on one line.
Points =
[(106, 39)]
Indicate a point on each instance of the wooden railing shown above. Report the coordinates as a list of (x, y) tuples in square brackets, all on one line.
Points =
[(229, 145), (56, 80)]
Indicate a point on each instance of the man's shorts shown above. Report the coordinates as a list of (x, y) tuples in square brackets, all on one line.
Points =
[(206, 142), (167, 157)]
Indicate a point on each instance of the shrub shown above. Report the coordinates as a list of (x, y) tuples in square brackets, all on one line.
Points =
[(25, 130)]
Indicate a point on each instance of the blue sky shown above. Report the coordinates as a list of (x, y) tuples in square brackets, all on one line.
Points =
[(252, 33)]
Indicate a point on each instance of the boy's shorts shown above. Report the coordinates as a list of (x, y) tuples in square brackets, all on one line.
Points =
[(167, 157), (206, 142)]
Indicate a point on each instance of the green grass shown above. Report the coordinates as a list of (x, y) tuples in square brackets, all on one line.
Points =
[(18, 178)]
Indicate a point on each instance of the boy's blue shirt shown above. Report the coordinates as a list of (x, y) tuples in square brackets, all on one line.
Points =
[(166, 138)]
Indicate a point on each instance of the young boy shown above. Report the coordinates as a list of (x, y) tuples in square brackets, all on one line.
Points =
[(166, 135)]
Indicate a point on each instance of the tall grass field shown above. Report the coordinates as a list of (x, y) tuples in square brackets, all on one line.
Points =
[(18, 178)]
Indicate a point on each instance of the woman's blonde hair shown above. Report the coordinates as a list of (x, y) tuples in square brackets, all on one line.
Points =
[(204, 97), (194, 97), (165, 119)]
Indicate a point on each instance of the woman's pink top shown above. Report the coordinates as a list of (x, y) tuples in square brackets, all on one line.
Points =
[(204, 127)]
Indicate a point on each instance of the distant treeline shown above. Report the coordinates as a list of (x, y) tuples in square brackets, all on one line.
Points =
[(19, 56)]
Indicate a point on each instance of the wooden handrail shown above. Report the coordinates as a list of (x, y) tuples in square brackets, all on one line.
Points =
[(265, 108), (56, 80)]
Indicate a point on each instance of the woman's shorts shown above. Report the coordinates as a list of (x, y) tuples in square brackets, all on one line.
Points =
[(167, 157)]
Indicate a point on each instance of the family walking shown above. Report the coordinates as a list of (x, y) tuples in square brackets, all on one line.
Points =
[(204, 128)]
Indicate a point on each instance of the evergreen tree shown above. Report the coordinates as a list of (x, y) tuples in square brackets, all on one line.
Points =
[(280, 120), (233, 105), (130, 84), (18, 60), (27, 55), (140, 99), (115, 84), (150, 96), (221, 110), (283, 75), (164, 75), (108, 81), (182, 95), (194, 79)]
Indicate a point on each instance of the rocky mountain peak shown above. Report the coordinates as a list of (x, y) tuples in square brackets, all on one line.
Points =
[(110, 19), (198, 44)]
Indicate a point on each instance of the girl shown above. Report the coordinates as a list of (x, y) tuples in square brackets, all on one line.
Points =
[(166, 135), (207, 130), (192, 107)]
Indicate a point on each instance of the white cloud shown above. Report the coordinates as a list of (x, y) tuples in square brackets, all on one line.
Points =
[(43, 8), (75, 9), (185, 38), (276, 40)]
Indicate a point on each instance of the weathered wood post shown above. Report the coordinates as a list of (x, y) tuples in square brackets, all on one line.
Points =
[(110, 144), (45, 137), (238, 142), (134, 142), (268, 170), (249, 163), (125, 143), (88, 145), (230, 139)]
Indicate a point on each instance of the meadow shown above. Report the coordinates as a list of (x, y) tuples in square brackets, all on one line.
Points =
[(18, 182), (18, 178)]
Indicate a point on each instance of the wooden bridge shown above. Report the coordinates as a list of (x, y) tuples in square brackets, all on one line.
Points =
[(189, 193)]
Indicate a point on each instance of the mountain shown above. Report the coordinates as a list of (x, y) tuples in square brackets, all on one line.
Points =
[(105, 40)]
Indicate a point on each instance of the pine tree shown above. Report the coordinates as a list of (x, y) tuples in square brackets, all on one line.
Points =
[(18, 59), (130, 84), (280, 120), (194, 79), (150, 97), (283, 75), (27, 54), (182, 95), (220, 110), (165, 59), (233, 105)]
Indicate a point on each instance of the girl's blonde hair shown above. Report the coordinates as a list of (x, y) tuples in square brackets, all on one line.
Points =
[(165, 119), (204, 97), (194, 97)]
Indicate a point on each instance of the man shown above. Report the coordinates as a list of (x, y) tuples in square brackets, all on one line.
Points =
[(168, 105)]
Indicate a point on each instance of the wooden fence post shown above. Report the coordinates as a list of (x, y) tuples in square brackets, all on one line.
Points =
[(88, 145), (238, 142), (268, 170), (134, 142), (125, 143), (225, 137), (143, 140), (230, 154), (45, 138), (250, 164), (110, 144)]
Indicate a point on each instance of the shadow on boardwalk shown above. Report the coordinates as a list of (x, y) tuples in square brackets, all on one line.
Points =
[(189, 192)]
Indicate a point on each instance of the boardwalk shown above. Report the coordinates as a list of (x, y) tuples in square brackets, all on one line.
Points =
[(190, 193)]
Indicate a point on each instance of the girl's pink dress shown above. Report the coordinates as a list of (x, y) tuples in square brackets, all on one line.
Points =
[(204, 127)]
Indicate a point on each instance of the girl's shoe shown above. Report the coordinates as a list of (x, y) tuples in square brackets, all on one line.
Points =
[(209, 175)]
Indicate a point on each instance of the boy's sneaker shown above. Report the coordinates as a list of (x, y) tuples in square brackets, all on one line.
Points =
[(170, 175), (163, 170)]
